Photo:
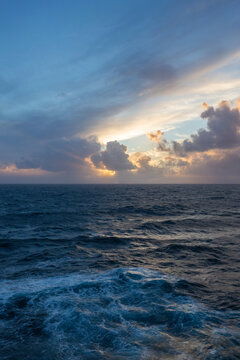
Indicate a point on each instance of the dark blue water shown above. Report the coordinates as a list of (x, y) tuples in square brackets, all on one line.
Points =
[(119, 272)]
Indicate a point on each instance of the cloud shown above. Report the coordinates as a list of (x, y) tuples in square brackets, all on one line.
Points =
[(141, 160), (155, 136), (143, 74), (114, 158), (210, 155), (172, 162), (223, 131), (62, 155), (220, 166), (136, 66), (137, 59)]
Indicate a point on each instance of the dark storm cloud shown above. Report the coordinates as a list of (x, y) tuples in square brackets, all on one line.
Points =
[(223, 131), (115, 157)]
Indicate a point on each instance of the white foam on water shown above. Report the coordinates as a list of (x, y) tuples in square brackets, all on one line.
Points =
[(122, 313)]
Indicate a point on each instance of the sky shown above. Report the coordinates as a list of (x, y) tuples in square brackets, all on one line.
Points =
[(130, 91)]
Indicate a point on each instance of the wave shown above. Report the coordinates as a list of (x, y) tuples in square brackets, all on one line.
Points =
[(132, 313)]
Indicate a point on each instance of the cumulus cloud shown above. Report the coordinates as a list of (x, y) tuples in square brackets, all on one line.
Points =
[(114, 158), (223, 131), (209, 155)]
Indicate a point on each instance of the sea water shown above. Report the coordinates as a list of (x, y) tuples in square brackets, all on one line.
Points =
[(119, 272)]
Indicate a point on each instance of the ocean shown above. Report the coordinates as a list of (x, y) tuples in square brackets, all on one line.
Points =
[(119, 272)]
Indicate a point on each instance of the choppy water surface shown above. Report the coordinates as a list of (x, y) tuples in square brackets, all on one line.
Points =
[(119, 272)]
